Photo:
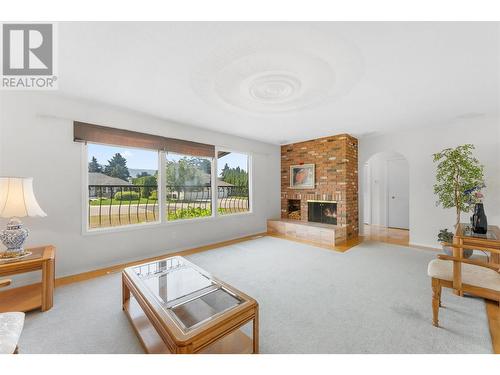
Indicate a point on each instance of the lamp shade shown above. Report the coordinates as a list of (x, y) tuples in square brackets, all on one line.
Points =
[(17, 198)]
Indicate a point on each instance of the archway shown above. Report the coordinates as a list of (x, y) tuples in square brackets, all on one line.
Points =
[(386, 198)]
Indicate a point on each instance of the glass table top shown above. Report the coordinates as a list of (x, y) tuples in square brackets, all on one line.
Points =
[(185, 291), (489, 235)]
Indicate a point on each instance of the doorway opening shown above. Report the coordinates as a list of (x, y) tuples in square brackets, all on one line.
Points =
[(386, 198)]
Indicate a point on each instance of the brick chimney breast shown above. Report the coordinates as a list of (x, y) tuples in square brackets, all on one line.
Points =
[(336, 168)]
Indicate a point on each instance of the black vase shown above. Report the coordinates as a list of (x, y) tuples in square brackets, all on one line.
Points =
[(479, 220)]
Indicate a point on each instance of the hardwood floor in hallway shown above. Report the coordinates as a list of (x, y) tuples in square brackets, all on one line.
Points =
[(385, 234)]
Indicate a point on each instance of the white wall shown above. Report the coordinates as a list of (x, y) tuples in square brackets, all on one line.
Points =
[(417, 146), (36, 131), (376, 188), (367, 195)]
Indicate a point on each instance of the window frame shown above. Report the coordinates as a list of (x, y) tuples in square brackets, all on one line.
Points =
[(162, 220), (213, 166), (250, 180)]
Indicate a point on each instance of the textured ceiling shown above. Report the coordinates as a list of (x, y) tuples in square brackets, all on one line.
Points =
[(283, 82)]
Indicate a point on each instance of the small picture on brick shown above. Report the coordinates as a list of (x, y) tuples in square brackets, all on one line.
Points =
[(302, 176)]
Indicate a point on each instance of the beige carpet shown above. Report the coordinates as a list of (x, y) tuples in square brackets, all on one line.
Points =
[(376, 298)]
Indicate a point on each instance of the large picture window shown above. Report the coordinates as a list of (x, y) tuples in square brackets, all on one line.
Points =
[(122, 186), (233, 183), (188, 190), (141, 183)]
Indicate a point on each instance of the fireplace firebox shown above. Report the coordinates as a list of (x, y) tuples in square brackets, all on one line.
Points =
[(322, 212)]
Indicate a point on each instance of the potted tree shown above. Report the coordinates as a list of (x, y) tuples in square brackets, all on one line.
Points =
[(458, 172)]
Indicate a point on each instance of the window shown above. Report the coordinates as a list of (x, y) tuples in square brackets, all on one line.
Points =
[(232, 183), (129, 185), (188, 192), (122, 186)]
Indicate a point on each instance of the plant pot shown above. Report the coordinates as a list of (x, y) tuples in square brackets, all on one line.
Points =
[(479, 220), (449, 251)]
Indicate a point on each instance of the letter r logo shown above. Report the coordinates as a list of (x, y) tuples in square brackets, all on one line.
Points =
[(27, 49)]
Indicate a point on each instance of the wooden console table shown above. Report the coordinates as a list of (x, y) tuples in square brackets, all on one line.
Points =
[(491, 240), (34, 296)]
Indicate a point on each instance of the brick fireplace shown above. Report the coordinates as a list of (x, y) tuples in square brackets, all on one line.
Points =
[(336, 182)]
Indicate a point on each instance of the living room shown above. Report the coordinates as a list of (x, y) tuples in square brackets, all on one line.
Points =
[(250, 187)]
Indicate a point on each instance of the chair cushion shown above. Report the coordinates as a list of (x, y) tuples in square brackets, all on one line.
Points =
[(471, 274), (11, 325)]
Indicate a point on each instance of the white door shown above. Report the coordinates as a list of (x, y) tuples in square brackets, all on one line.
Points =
[(398, 189)]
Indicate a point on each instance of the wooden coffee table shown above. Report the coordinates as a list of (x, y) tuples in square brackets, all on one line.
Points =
[(176, 307)]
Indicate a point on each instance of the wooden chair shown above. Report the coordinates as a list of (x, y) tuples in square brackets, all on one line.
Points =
[(11, 326), (464, 276)]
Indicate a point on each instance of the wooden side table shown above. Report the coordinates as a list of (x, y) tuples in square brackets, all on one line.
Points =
[(491, 240), (484, 242), (34, 296)]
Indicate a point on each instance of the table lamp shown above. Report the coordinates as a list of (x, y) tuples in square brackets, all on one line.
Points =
[(17, 200)]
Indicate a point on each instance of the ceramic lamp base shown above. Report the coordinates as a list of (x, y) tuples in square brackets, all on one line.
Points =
[(13, 239)]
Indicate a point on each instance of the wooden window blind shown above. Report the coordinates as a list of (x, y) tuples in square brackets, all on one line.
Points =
[(84, 132)]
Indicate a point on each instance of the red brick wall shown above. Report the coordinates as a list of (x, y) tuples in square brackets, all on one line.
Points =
[(336, 177)]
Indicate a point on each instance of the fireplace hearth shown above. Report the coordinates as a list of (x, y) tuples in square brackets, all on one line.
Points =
[(322, 212)]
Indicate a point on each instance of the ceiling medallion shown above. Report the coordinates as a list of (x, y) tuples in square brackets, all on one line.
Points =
[(272, 88), (277, 71)]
